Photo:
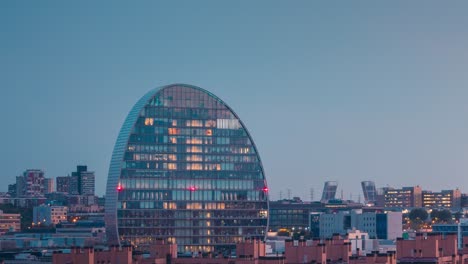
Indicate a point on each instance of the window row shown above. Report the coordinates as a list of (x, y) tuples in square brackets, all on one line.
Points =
[(191, 183)]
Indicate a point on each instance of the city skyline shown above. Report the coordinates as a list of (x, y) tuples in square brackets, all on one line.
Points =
[(346, 93)]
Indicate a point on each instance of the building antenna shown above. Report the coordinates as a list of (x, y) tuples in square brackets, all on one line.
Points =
[(289, 194), (281, 195), (311, 194)]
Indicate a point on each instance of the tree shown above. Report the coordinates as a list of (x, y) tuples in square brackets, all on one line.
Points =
[(418, 214), (441, 216), (417, 217)]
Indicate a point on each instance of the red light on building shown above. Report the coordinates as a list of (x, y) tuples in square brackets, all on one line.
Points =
[(119, 188), (192, 188), (265, 189)]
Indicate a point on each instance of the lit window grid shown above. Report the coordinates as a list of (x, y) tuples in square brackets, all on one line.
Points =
[(227, 170)]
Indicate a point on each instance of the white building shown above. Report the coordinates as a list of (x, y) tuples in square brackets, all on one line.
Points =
[(386, 225), (335, 223)]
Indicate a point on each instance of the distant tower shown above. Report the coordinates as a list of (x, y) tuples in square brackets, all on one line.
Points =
[(370, 192), (329, 191), (311, 194)]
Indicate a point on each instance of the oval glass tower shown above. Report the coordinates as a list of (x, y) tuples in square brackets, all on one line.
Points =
[(184, 168)]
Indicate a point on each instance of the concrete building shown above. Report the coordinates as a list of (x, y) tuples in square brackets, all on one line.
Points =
[(12, 190), (48, 185), (84, 180), (385, 225), (334, 223), (63, 184), (9, 222), (406, 197), (446, 199), (431, 248), (49, 215), (291, 215), (30, 184), (330, 251)]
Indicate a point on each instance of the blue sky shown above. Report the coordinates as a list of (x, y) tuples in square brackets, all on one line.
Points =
[(330, 90)]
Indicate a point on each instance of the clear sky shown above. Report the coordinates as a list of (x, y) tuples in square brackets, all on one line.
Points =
[(329, 90)]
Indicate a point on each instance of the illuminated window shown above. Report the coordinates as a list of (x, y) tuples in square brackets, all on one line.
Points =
[(172, 166), (194, 166), (173, 131), (209, 132), (173, 140), (149, 121), (194, 158), (194, 140), (194, 149), (194, 123)]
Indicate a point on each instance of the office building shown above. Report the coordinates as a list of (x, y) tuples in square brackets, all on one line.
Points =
[(379, 225), (84, 181), (370, 192), (406, 197), (445, 199), (329, 191), (184, 168), (291, 215), (334, 223)]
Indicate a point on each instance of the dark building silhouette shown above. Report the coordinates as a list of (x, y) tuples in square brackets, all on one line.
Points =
[(329, 191), (370, 192)]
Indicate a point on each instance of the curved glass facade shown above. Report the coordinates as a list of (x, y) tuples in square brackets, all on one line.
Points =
[(184, 168)]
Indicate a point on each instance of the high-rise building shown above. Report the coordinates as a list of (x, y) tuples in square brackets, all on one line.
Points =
[(63, 184), (30, 184), (73, 187), (48, 185), (370, 192), (87, 183), (184, 168), (81, 182), (329, 191), (12, 190), (84, 180)]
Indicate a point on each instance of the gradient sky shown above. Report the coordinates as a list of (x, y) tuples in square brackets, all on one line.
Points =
[(329, 90)]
